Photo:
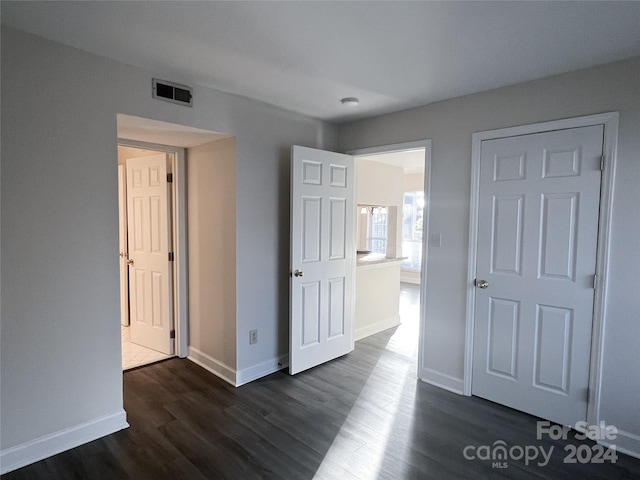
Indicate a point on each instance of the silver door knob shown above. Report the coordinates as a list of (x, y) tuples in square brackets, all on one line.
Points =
[(130, 262), (482, 283), (298, 273)]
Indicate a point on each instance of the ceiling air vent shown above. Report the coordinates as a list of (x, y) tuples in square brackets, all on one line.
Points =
[(172, 92)]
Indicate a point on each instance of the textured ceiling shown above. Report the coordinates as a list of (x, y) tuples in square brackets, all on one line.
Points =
[(304, 56)]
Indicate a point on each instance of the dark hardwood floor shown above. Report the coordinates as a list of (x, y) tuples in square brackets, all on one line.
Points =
[(362, 416)]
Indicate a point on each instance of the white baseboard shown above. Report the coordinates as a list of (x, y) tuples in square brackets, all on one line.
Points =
[(239, 377), (625, 442), (49, 445), (263, 369), (379, 326), (216, 367), (406, 278), (442, 380)]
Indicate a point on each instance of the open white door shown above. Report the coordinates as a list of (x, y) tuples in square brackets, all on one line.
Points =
[(150, 280), (537, 240), (322, 257), (122, 245)]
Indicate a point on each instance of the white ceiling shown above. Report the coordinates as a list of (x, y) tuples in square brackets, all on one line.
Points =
[(305, 56)]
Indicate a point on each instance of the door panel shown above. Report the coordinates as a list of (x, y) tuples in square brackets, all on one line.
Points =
[(336, 307), (537, 238), (337, 228), (311, 211), (323, 250), (552, 348), (506, 253), (558, 245), (150, 276), (503, 337)]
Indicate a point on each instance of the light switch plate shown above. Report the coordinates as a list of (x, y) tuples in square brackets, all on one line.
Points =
[(435, 240)]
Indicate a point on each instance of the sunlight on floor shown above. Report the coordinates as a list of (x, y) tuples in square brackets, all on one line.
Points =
[(364, 436)]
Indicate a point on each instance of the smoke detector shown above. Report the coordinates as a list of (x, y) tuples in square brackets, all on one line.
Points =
[(350, 101)]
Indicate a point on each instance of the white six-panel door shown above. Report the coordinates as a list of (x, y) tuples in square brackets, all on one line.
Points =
[(322, 257), (148, 218), (537, 239)]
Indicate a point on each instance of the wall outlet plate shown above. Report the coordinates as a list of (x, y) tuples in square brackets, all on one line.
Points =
[(253, 337)]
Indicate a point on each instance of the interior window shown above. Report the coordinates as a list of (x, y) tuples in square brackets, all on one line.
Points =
[(377, 230)]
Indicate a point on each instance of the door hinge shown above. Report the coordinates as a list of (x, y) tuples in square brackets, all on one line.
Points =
[(169, 177), (602, 163), (171, 256), (172, 334), (595, 281)]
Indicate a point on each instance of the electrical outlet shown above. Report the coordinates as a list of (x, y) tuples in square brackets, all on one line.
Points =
[(253, 337)]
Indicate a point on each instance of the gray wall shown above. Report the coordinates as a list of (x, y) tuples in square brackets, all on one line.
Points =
[(612, 87), (60, 333), (211, 200)]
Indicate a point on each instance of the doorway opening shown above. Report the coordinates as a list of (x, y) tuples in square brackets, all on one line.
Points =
[(392, 191), (147, 223), (203, 300)]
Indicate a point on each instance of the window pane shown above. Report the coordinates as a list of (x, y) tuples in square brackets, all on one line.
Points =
[(412, 225), (413, 250), (377, 232)]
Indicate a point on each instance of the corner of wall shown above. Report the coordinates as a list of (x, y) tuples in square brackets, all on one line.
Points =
[(211, 171), (263, 369), (441, 380)]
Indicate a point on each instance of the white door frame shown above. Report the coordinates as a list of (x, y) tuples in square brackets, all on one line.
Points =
[(398, 147), (610, 122), (179, 219), (122, 240)]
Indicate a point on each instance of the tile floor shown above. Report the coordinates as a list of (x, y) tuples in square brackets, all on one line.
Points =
[(134, 355)]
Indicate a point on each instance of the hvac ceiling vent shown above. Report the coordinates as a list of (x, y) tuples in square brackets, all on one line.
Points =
[(172, 92)]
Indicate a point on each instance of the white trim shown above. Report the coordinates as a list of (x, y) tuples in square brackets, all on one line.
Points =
[(396, 147), (179, 217), (610, 122), (610, 151), (625, 442), (44, 447), (441, 380), (474, 190), (240, 377), (410, 276), (216, 367), (180, 254), (260, 370), (379, 326)]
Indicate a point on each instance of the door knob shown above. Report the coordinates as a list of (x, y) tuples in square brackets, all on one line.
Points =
[(482, 283), (130, 261), (298, 273)]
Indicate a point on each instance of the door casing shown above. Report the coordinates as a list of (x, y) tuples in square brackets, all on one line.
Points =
[(610, 122), (179, 220)]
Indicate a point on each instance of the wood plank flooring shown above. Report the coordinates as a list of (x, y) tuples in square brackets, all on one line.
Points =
[(362, 416)]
